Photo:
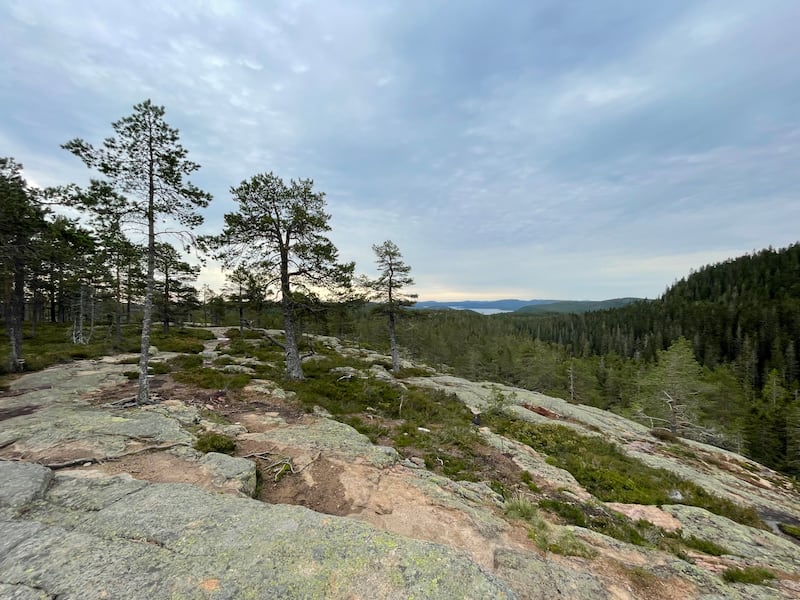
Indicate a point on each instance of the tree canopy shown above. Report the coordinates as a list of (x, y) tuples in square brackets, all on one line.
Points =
[(146, 168), (280, 230)]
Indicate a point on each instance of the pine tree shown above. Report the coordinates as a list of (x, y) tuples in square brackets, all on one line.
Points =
[(146, 165), (280, 229), (388, 289)]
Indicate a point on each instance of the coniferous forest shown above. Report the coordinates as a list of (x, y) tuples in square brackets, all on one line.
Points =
[(714, 359)]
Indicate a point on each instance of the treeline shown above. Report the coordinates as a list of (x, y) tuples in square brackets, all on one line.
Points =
[(713, 359), (745, 311)]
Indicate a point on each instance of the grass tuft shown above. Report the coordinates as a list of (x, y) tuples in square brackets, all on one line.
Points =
[(752, 575)]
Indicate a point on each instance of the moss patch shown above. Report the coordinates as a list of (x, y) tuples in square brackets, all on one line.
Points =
[(215, 442), (609, 474), (752, 575)]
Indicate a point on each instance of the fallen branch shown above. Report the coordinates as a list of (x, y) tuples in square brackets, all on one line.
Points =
[(261, 455), (131, 402), (265, 333), (319, 453)]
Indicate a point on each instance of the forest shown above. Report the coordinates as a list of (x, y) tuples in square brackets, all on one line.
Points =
[(714, 359)]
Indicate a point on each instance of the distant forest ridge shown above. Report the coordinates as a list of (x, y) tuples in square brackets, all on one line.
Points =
[(528, 306)]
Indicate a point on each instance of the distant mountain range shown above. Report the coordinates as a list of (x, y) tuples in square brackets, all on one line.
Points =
[(526, 306)]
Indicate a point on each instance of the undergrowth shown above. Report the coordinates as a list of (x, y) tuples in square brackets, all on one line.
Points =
[(792, 530), (752, 575), (542, 534), (212, 379), (429, 424), (215, 442), (609, 474), (53, 344)]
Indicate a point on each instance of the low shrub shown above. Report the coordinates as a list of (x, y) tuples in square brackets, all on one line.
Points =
[(611, 475), (212, 379), (158, 368), (665, 435), (568, 545), (705, 546), (185, 362), (752, 575)]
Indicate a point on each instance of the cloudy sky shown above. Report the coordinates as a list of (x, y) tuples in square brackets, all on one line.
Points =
[(529, 149)]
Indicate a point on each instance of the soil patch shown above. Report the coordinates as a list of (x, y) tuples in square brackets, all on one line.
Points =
[(157, 467), (316, 487)]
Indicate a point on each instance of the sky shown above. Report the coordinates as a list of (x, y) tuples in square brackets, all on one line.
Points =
[(581, 150)]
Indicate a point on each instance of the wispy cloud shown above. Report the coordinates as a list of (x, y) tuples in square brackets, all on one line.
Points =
[(568, 150)]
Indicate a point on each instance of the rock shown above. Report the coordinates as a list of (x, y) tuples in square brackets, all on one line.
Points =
[(231, 430), (238, 369), (651, 514), (547, 579), (755, 545), (675, 495), (231, 471), (185, 415), (380, 372), (22, 483), (331, 437), (320, 411), (347, 372), (173, 540)]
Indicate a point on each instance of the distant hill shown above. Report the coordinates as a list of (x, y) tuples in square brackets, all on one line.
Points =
[(575, 306), (478, 305)]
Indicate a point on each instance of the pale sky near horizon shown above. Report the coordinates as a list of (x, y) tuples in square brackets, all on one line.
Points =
[(548, 149)]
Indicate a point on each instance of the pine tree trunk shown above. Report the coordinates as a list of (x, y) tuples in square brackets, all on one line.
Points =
[(118, 309), (294, 366), (14, 306), (166, 300), (143, 396), (393, 344)]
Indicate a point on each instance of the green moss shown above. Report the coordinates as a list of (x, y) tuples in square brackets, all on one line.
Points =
[(567, 544), (792, 530), (212, 379), (213, 417), (215, 442), (752, 575), (185, 362), (609, 474), (705, 546), (158, 368)]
